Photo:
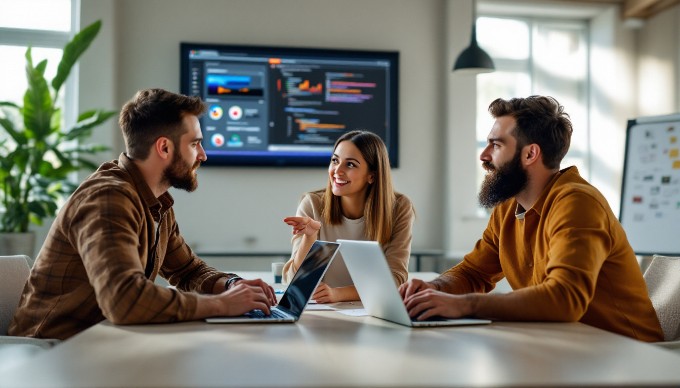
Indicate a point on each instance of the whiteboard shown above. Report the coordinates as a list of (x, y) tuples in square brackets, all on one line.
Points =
[(650, 196)]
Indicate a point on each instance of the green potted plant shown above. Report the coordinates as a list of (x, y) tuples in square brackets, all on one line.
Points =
[(36, 154)]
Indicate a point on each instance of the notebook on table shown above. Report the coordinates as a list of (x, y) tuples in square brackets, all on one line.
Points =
[(299, 291), (376, 287)]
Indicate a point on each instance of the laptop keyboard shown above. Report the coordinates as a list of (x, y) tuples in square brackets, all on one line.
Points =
[(259, 314), (430, 319)]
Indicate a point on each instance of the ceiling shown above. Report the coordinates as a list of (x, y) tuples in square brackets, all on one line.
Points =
[(633, 11), (639, 9)]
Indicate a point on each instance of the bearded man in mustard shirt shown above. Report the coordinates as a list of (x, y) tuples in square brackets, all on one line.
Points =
[(551, 234)]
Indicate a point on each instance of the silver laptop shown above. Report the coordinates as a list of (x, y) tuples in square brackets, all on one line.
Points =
[(379, 293), (299, 291)]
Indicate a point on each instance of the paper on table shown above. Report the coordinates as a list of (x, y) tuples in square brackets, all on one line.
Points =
[(354, 312), (318, 307)]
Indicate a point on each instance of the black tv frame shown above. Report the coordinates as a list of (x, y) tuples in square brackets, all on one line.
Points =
[(195, 84)]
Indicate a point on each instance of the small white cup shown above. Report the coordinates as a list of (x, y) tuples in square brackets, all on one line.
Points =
[(277, 271)]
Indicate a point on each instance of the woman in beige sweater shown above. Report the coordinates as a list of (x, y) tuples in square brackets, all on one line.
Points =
[(359, 203)]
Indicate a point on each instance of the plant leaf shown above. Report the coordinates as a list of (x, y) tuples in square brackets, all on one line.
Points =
[(91, 148), (55, 124), (73, 50), (38, 108), (17, 136), (87, 121), (86, 164), (10, 104), (36, 159), (67, 165), (37, 208), (20, 157)]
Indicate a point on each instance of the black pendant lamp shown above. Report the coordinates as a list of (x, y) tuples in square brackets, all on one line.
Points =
[(474, 60)]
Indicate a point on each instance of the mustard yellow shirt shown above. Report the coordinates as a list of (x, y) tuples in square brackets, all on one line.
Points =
[(567, 259)]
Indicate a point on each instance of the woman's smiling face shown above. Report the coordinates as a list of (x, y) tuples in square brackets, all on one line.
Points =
[(348, 171)]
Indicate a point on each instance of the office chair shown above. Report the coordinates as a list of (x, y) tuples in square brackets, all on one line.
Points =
[(663, 283), (14, 271)]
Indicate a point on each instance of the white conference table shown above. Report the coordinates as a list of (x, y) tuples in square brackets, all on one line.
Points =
[(327, 348)]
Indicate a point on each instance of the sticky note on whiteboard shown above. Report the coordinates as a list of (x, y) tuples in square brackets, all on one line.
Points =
[(673, 153), (676, 165)]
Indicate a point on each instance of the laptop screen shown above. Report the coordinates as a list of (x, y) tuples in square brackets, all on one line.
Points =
[(307, 277)]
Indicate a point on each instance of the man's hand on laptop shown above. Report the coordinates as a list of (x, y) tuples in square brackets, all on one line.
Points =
[(430, 303), (266, 288), (413, 286), (242, 297)]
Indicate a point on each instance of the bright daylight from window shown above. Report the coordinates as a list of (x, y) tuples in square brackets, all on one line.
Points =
[(40, 22), (535, 56)]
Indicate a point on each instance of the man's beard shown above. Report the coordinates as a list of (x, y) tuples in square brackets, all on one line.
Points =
[(502, 183), (180, 175)]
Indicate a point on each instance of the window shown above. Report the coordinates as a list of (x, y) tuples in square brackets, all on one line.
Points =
[(537, 56), (47, 15), (44, 25)]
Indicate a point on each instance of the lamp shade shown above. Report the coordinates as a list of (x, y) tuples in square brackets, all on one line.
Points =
[(473, 59)]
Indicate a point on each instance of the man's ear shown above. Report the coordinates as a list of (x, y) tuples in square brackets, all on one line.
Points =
[(531, 154), (163, 147)]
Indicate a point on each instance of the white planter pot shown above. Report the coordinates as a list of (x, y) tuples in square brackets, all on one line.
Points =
[(17, 244)]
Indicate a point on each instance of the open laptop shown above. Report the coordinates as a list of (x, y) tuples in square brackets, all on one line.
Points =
[(299, 291), (379, 293)]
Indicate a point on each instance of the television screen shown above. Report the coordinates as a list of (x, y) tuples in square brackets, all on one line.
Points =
[(282, 106)]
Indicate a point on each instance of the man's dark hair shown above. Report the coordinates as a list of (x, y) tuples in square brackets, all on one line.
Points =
[(540, 120), (153, 113)]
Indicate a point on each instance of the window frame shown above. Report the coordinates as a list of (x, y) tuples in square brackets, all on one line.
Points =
[(527, 66), (24, 37)]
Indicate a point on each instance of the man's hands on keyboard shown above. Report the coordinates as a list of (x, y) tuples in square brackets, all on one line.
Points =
[(241, 297), (257, 313)]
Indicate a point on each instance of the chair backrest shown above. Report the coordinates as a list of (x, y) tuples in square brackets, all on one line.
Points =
[(663, 282), (14, 271)]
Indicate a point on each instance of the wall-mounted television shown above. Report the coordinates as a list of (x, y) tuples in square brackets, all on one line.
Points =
[(284, 106)]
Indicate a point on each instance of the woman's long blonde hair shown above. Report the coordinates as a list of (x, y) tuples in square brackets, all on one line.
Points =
[(380, 195)]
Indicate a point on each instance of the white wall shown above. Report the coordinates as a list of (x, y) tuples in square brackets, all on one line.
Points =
[(97, 75), (242, 208), (462, 226), (658, 57), (612, 100)]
